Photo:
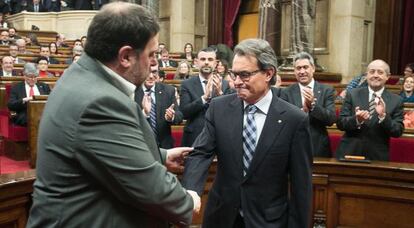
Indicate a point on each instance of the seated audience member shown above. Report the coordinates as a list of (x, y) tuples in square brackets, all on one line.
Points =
[(165, 60), (75, 58), (36, 6), (183, 70), (7, 67), (52, 5), (13, 50), (77, 42), (4, 38), (188, 53), (407, 89), (357, 82), (408, 70), (12, 34), (45, 52), (83, 40), (160, 47), (77, 50), (315, 99), (222, 68), (370, 116), (42, 66), (22, 92), (54, 50), (276, 87), (60, 40), (409, 119), (159, 105), (31, 40), (21, 45)]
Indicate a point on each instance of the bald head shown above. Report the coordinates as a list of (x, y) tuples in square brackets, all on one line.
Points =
[(379, 63), (378, 72)]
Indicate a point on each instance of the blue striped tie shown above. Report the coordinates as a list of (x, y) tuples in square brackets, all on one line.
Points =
[(249, 137), (153, 113)]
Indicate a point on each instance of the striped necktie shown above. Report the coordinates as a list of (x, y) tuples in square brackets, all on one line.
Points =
[(249, 137), (371, 106), (153, 113)]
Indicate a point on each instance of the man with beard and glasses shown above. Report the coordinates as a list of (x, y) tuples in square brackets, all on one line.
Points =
[(197, 92)]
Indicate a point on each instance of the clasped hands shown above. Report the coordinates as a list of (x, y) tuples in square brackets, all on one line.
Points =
[(175, 162), (363, 115), (213, 87), (307, 94)]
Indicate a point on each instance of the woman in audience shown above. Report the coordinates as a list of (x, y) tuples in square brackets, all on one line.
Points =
[(83, 40), (53, 48), (407, 89), (222, 68), (188, 53), (183, 70), (409, 70)]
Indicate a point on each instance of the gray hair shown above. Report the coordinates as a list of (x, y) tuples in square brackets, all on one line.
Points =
[(303, 55), (261, 50), (386, 66), (30, 69)]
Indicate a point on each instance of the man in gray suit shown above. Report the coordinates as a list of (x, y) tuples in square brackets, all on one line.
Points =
[(98, 162), (370, 116), (315, 99), (263, 150)]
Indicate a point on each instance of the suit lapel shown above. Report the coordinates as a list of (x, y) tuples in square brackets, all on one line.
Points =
[(159, 98), (317, 91), (139, 94), (236, 123), (272, 127), (297, 96), (198, 87)]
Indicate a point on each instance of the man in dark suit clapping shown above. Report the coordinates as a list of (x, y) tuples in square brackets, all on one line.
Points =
[(370, 116)]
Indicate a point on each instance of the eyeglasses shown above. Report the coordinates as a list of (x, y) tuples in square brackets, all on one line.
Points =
[(243, 75), (154, 72)]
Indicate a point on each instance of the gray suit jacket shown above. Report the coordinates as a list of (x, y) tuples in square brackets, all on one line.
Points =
[(98, 163), (320, 117), (283, 154), (371, 139)]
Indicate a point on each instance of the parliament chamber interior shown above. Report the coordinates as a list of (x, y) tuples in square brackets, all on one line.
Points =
[(346, 36)]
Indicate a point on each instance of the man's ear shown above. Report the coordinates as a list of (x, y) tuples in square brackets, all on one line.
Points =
[(270, 73), (125, 54)]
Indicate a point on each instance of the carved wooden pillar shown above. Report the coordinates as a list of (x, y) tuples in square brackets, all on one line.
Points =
[(270, 23)]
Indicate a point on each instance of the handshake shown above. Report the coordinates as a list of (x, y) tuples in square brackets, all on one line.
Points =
[(175, 162)]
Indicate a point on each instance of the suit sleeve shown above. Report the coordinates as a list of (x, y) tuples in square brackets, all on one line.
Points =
[(188, 106), (393, 122), (199, 161), (325, 114), (15, 102), (347, 118), (300, 169), (112, 149)]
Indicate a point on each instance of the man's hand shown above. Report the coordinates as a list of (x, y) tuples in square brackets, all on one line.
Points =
[(308, 95), (361, 115), (146, 104), (380, 107), (176, 157), (207, 92), (169, 113), (217, 81), (27, 99), (196, 200)]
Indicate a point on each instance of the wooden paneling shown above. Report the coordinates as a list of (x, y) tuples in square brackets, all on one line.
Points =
[(34, 113)]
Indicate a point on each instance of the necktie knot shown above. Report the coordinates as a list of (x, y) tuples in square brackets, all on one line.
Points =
[(205, 82), (251, 109), (148, 91)]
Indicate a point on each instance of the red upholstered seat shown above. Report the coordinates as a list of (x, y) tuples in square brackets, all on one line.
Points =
[(169, 76), (177, 134)]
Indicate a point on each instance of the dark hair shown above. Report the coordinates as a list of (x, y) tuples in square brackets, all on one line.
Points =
[(57, 49), (44, 46), (208, 49), (41, 58), (225, 65), (118, 24), (410, 65), (33, 39), (262, 51), (185, 45)]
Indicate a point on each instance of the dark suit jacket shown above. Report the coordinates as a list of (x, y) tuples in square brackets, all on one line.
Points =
[(193, 108), (320, 117), (164, 97), (53, 60), (14, 73), (15, 103), (30, 8), (171, 62), (282, 155), (371, 139), (97, 155)]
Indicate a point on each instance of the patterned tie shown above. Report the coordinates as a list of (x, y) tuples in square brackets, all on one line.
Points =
[(153, 113), (249, 137), (31, 91), (372, 105)]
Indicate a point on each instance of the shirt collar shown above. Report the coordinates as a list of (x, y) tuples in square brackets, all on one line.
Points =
[(202, 79), (378, 93), (127, 86), (311, 85), (264, 103), (145, 88)]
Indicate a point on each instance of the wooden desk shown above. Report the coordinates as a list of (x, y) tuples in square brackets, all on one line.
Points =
[(34, 113)]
